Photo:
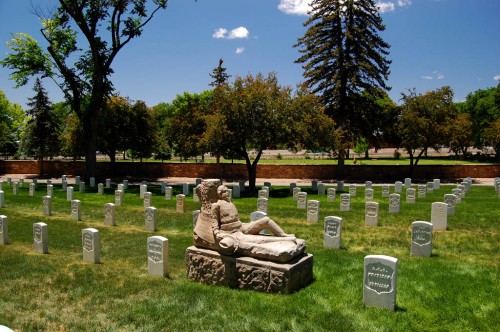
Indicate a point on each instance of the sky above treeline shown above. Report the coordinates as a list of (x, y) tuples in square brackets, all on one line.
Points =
[(433, 43)]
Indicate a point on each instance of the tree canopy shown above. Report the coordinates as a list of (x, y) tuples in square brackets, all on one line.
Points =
[(343, 55), (81, 71)]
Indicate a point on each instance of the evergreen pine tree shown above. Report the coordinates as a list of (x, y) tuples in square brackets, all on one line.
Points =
[(343, 55), (219, 75), (41, 138)]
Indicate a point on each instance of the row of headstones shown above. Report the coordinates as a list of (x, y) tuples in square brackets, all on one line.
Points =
[(157, 246), (151, 213)]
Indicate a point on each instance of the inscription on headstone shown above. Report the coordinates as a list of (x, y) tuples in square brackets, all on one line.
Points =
[(352, 190), (148, 199), (368, 185), (109, 214), (196, 198), (410, 195), (76, 210), (157, 247), (50, 190), (451, 200), (313, 210), (262, 193), (421, 238), (330, 195), (100, 189), (333, 232), (430, 187), (368, 195), (458, 195), (91, 245), (407, 183), (380, 275), (386, 190), (422, 190), (345, 202), (47, 205), (394, 203), (15, 188), (40, 238), (180, 205), (371, 214), (32, 189), (296, 192), (150, 218), (118, 197)]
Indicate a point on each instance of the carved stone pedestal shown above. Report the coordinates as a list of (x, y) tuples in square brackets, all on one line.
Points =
[(211, 268)]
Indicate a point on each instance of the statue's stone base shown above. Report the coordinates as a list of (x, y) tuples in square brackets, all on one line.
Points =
[(211, 268)]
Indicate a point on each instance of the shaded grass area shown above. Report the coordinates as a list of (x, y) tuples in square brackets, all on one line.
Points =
[(455, 290)]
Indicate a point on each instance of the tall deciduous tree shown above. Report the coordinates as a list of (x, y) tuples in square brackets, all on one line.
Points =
[(82, 72), (41, 138), (424, 121), (12, 118), (342, 55)]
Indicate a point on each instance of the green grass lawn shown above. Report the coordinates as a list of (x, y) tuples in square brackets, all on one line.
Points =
[(457, 289)]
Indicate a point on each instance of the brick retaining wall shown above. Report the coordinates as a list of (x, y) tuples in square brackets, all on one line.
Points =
[(238, 171)]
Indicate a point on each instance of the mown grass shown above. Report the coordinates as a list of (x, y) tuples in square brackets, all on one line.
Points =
[(454, 290)]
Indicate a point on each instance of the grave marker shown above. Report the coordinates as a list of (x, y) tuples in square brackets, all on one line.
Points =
[(368, 195), (407, 183), (398, 187), (410, 196), (185, 189), (430, 187), (321, 189), (40, 238), (168, 193), (50, 190), (108, 183), (100, 189), (70, 194), (125, 184), (32, 189), (301, 200), (77, 180), (151, 219), (142, 189), (242, 185), (313, 210), (15, 188), (333, 232), (92, 182), (330, 195), (180, 205), (109, 214), (196, 198), (340, 185), (157, 255), (458, 195), (292, 185), (371, 214), (91, 245), (421, 238), (76, 210), (352, 190), (262, 204), (4, 230), (118, 197), (439, 216), (450, 200), (236, 191), (82, 187), (148, 199), (296, 192), (368, 185), (314, 185), (345, 202), (386, 190), (197, 182), (436, 183), (422, 190), (47, 205), (394, 203), (2, 199), (380, 275)]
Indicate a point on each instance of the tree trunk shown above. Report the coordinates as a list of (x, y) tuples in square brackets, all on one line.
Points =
[(252, 171)]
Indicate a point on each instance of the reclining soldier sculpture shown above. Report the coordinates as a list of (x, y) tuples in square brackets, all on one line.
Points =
[(219, 228)]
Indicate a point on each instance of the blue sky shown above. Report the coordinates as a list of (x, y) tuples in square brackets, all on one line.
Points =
[(433, 43)]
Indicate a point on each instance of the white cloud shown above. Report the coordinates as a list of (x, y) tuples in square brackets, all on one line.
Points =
[(220, 33), (403, 3), (427, 77), (435, 75), (439, 76), (385, 7), (497, 78), (238, 33), (295, 7), (240, 50)]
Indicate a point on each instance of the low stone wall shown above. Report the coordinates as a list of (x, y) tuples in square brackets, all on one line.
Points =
[(239, 171)]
